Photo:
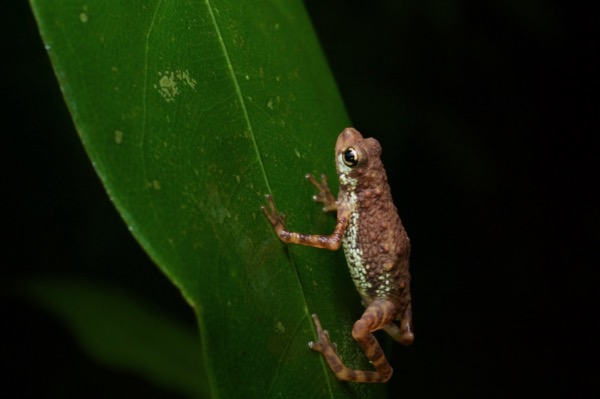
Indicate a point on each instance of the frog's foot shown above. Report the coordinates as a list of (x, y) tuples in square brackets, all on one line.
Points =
[(325, 197), (403, 335), (333, 344), (276, 219), (324, 343), (335, 363)]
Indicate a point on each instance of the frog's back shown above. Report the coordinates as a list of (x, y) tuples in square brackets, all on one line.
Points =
[(376, 245)]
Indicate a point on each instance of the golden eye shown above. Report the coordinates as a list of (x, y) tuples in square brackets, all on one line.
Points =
[(350, 157)]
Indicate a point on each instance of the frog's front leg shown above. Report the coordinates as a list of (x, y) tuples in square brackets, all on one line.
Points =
[(379, 314), (332, 241)]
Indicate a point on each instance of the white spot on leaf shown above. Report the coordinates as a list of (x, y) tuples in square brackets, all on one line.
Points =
[(279, 327), (155, 184), (170, 83), (118, 136)]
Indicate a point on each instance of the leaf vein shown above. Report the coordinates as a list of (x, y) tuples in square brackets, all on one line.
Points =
[(238, 93)]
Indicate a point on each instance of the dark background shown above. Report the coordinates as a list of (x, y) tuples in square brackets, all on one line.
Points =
[(488, 116)]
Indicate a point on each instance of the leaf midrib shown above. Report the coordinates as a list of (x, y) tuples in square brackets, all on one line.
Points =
[(259, 158)]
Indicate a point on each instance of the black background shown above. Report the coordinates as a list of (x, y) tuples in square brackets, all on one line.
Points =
[(488, 116)]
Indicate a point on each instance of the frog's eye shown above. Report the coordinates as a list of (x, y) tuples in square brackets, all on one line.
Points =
[(350, 157)]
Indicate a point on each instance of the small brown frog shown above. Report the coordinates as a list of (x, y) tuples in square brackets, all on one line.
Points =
[(376, 246)]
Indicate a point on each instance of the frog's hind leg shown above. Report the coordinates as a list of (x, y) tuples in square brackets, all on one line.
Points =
[(375, 317), (402, 333)]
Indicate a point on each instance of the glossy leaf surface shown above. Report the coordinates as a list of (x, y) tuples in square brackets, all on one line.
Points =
[(191, 111)]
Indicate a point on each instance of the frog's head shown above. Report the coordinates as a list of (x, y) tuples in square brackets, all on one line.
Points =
[(355, 156)]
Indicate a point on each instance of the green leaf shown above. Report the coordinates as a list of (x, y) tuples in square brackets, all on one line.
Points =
[(191, 111), (124, 332)]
